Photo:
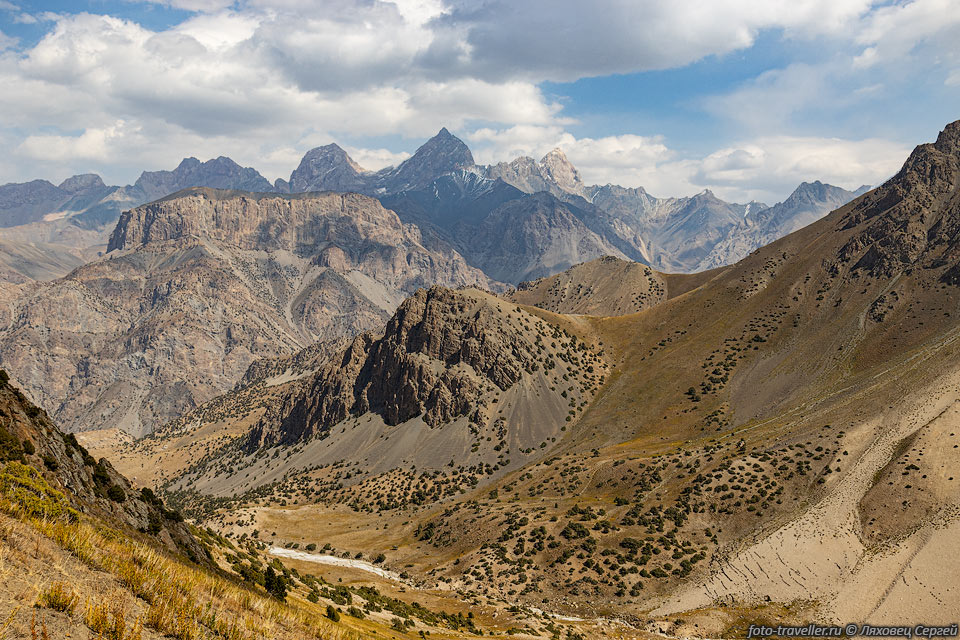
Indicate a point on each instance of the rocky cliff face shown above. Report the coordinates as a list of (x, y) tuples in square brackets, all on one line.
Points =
[(558, 170), (198, 286)]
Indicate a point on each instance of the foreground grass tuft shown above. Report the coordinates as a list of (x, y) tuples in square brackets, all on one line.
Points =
[(59, 596)]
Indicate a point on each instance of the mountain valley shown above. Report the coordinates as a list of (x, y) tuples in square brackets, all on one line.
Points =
[(731, 445)]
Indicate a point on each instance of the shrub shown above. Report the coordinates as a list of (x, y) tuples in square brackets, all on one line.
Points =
[(154, 523), (172, 515), (10, 447), (50, 462), (574, 530), (59, 597), (332, 613), (116, 493), (28, 448), (100, 475)]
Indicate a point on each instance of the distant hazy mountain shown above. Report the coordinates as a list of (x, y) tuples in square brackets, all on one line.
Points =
[(31, 201), (440, 189), (326, 168), (330, 168), (761, 226), (553, 173), (65, 225), (220, 173)]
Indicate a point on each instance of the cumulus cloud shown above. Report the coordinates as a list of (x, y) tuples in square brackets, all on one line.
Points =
[(6, 42), (897, 31), (265, 80), (766, 168), (763, 169), (217, 76), (92, 144), (565, 40)]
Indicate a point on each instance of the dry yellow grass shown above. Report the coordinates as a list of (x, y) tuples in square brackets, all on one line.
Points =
[(184, 601)]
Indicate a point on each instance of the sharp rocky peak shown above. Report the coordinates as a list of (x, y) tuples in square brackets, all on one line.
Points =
[(556, 168), (438, 354), (328, 167), (443, 153)]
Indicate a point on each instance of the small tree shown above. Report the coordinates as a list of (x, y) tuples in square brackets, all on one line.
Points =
[(332, 613), (275, 584)]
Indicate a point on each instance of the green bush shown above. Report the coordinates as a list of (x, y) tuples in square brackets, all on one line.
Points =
[(28, 448), (116, 493), (332, 613), (10, 446)]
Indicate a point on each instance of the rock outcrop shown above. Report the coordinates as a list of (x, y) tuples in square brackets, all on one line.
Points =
[(444, 355), (914, 218)]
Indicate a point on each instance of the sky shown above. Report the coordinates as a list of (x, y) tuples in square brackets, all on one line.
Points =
[(747, 98)]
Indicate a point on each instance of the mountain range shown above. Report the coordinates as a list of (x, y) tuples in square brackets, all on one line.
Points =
[(196, 287), (176, 298), (541, 207)]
